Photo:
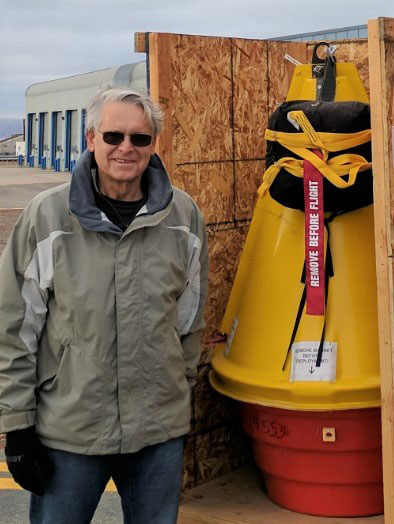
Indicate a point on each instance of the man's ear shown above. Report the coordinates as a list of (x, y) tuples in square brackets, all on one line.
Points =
[(153, 145), (90, 140)]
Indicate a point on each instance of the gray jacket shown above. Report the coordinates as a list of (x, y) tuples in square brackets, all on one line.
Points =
[(99, 329)]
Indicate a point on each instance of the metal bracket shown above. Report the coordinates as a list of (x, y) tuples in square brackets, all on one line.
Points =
[(329, 435)]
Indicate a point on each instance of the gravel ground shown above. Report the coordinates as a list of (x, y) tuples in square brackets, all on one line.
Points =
[(8, 218), (18, 185)]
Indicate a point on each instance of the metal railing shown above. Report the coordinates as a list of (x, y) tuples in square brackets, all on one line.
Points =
[(8, 158)]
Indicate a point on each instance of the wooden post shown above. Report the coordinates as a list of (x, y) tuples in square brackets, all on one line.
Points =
[(160, 86), (157, 47), (381, 70), (141, 42)]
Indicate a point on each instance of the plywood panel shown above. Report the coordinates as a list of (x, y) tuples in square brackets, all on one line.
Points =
[(248, 178), (212, 410), (188, 477), (225, 248), (202, 98), (250, 98), (220, 451), (212, 187), (354, 51), (357, 53), (280, 70)]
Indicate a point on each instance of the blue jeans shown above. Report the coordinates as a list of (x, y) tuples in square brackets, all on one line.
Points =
[(148, 482)]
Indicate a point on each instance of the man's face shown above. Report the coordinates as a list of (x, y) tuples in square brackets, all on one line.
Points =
[(124, 162)]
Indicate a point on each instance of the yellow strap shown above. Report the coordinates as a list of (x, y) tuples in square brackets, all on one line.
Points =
[(347, 164), (314, 138), (292, 165), (332, 142), (301, 143), (324, 168)]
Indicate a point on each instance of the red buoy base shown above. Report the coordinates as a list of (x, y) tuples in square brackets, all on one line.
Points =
[(319, 463)]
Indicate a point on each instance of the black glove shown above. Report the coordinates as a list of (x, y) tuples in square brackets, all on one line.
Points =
[(27, 460)]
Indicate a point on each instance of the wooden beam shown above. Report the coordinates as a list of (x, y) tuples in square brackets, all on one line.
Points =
[(160, 82), (141, 42), (388, 29), (380, 73)]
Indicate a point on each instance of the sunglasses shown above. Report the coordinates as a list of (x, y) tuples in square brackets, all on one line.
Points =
[(115, 138)]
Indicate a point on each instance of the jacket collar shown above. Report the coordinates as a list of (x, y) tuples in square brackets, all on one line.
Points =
[(82, 202)]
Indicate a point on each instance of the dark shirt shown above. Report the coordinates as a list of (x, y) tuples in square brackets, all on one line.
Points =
[(119, 212)]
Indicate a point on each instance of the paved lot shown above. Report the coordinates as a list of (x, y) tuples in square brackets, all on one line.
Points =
[(20, 175), (18, 184)]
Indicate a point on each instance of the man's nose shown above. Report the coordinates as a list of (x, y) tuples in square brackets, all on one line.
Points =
[(126, 144)]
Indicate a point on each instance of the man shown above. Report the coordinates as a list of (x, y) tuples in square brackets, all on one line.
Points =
[(103, 283)]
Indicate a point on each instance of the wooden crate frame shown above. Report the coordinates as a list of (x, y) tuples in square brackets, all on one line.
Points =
[(381, 68), (162, 49)]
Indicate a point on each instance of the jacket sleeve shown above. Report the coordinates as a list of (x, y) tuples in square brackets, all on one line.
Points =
[(191, 303), (23, 308)]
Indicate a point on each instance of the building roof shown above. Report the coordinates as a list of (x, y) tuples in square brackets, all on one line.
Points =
[(12, 137), (114, 75), (354, 31)]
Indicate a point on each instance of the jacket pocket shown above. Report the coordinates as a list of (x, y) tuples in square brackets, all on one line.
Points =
[(48, 370), (171, 368), (70, 407), (179, 347)]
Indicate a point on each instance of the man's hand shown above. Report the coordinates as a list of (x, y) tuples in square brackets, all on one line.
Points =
[(27, 460)]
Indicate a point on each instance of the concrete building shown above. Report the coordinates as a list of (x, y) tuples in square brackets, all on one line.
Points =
[(8, 145), (55, 113)]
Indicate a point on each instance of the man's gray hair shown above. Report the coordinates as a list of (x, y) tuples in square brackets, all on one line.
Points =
[(127, 95)]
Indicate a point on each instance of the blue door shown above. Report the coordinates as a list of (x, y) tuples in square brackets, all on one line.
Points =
[(53, 138), (83, 127), (40, 137), (67, 149), (29, 136)]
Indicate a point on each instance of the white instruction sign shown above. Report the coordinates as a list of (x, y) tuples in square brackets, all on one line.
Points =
[(231, 336), (303, 362)]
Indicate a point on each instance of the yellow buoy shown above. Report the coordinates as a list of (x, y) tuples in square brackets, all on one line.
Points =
[(261, 312), (349, 85), (263, 304)]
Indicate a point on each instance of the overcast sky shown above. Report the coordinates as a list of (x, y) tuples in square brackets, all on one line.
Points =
[(45, 39)]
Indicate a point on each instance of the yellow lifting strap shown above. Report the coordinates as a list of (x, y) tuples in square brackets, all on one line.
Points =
[(301, 143)]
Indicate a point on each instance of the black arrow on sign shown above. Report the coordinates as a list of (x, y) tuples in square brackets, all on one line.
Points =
[(311, 370)]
